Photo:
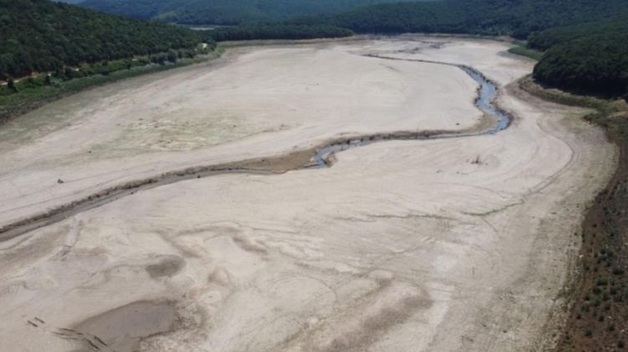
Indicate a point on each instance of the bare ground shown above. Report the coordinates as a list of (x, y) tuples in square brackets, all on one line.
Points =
[(446, 245)]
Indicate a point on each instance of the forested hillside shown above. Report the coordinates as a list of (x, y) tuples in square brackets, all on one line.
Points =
[(517, 18), (224, 11), (591, 58), (543, 40), (39, 35), (585, 40), (276, 31)]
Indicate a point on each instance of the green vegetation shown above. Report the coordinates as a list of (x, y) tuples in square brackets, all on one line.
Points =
[(225, 12), (591, 58), (277, 31), (583, 56), (33, 92), (440, 16), (50, 50), (575, 52), (596, 64), (543, 40), (522, 49), (517, 18), (39, 36)]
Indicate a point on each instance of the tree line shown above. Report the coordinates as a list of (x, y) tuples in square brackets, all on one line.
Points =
[(516, 18), (591, 58), (276, 31), (224, 12), (39, 35), (543, 40), (584, 40)]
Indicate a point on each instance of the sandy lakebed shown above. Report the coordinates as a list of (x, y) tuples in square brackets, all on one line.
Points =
[(456, 244)]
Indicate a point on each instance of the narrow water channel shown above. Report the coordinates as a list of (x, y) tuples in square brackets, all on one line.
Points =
[(485, 102)]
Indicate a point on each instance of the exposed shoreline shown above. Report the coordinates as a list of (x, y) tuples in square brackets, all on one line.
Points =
[(451, 236), (603, 229), (320, 156)]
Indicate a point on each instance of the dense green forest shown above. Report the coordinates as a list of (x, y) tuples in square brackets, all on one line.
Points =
[(225, 12), (39, 35), (517, 18), (276, 31), (591, 58), (584, 40), (543, 40)]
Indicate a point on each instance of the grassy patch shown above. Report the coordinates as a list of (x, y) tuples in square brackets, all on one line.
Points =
[(522, 50)]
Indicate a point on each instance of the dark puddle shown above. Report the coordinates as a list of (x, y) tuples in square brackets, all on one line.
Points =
[(122, 329)]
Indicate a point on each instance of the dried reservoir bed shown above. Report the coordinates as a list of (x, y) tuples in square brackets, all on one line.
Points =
[(434, 244)]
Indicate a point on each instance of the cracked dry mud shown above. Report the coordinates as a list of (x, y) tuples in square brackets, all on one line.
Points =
[(432, 245)]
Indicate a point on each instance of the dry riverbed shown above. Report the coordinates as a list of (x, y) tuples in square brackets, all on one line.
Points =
[(459, 244)]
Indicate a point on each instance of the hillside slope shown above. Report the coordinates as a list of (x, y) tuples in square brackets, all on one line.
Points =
[(591, 58), (224, 11), (518, 18), (588, 56), (543, 40), (39, 35)]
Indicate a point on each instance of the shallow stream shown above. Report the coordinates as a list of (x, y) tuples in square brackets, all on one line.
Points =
[(487, 92)]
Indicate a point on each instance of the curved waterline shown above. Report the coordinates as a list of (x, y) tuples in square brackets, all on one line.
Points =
[(305, 159), (487, 93)]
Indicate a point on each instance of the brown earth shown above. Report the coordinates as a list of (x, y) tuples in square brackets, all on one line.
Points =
[(597, 318)]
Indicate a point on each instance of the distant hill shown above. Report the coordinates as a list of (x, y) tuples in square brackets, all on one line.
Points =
[(226, 12), (585, 41), (543, 40), (39, 35), (518, 18), (590, 58)]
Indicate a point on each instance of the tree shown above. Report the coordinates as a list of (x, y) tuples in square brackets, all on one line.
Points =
[(42, 35), (172, 56), (11, 85)]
